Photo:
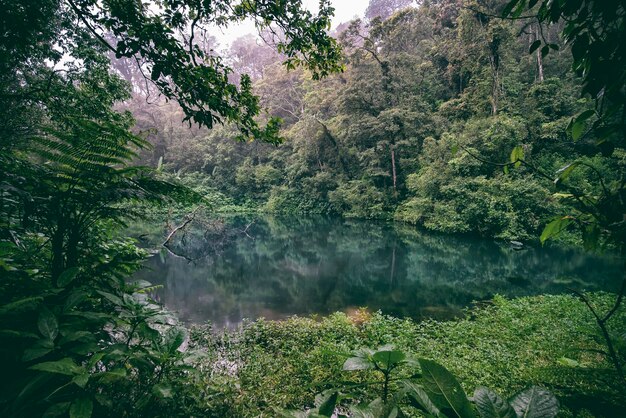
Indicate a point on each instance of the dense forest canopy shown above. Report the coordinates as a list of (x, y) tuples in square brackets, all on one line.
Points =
[(420, 125), (499, 118)]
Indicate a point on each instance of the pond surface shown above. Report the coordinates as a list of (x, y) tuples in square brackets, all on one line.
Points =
[(256, 266)]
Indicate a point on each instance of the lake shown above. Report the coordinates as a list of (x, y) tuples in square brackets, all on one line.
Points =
[(236, 267)]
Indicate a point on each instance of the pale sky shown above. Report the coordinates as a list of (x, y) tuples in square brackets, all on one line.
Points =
[(345, 10)]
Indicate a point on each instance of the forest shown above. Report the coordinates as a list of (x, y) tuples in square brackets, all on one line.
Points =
[(418, 212)]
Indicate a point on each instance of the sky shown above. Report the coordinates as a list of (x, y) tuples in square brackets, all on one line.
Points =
[(345, 10)]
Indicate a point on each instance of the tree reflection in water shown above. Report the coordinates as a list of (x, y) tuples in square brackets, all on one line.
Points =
[(277, 266)]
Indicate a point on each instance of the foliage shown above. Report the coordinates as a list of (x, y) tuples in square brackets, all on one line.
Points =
[(425, 90), (598, 58), (506, 345), (79, 337)]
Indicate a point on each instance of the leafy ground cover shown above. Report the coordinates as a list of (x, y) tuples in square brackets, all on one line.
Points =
[(549, 341)]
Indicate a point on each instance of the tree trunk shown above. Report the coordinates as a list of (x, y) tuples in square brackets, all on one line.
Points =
[(72, 247), (393, 169), (539, 57), (495, 91)]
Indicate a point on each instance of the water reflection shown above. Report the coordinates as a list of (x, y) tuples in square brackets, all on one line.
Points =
[(277, 266)]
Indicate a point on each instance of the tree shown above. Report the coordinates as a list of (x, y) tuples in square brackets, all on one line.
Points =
[(166, 39), (595, 31), (72, 321), (383, 9)]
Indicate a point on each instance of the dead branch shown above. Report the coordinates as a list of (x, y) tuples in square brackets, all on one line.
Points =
[(188, 219)]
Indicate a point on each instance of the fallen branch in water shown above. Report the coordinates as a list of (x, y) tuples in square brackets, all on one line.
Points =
[(245, 230), (188, 219)]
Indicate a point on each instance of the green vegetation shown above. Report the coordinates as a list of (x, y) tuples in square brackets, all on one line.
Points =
[(459, 116), (549, 341), (421, 124)]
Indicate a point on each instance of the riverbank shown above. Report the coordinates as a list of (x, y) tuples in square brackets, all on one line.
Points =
[(506, 345)]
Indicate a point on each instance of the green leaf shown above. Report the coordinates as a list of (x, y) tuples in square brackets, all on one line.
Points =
[(535, 402), (518, 10), (357, 363), (174, 338), (555, 227), (491, 405), (577, 130), (81, 380), (65, 366), (509, 7), (21, 305), (517, 155), (111, 298), (387, 359), (112, 375), (375, 409), (48, 324), (444, 390), (35, 353), (577, 125), (162, 390), (568, 362), (12, 334), (565, 171), (67, 276), (56, 410), (81, 408), (328, 405), (417, 394), (74, 299), (534, 46), (585, 115)]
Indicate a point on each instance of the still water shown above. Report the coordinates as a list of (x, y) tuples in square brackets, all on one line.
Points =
[(240, 267)]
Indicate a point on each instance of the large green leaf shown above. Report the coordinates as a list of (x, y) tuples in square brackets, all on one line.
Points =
[(577, 125), (81, 408), (491, 405), (357, 363), (376, 409), (387, 359), (444, 390), (535, 402), (81, 380), (555, 227), (65, 366), (67, 276), (57, 410), (34, 353), (534, 46), (327, 406), (420, 399), (565, 171), (48, 324), (21, 305), (111, 298), (517, 155), (173, 339)]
